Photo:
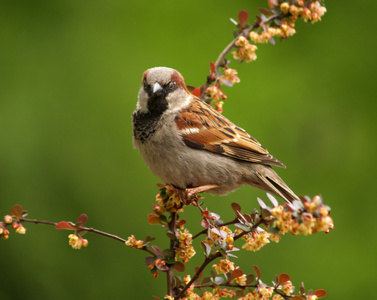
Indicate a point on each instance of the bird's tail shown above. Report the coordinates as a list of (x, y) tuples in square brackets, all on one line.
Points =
[(271, 182)]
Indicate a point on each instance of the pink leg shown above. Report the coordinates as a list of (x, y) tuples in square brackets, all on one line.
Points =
[(199, 189)]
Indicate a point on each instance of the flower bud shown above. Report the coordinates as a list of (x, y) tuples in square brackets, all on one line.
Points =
[(21, 229), (8, 219), (284, 7)]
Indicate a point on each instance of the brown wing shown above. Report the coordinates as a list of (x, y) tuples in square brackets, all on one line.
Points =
[(204, 128)]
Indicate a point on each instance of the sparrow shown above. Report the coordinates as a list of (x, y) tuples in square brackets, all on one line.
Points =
[(191, 146)]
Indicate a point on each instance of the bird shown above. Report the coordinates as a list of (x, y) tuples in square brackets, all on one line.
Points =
[(191, 146)]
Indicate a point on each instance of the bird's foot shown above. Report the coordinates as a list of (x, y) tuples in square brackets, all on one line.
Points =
[(191, 193)]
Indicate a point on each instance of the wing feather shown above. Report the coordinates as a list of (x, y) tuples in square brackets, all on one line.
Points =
[(204, 128)]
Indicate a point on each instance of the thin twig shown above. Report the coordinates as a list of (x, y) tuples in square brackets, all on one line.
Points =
[(170, 272), (196, 276), (229, 47), (87, 229)]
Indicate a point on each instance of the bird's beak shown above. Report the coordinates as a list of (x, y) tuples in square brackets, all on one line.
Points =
[(156, 88)]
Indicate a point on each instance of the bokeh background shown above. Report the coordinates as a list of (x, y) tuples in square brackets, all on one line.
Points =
[(70, 72)]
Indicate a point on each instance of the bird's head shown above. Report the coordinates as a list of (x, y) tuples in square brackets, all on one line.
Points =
[(162, 89)]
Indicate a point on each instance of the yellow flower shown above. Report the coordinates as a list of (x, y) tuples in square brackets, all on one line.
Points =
[(230, 75), (287, 288), (245, 50), (241, 280), (131, 241), (215, 93), (185, 238), (185, 253), (224, 266), (77, 242), (21, 229), (284, 7), (256, 240)]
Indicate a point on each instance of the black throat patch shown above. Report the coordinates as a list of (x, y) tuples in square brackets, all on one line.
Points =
[(145, 125)]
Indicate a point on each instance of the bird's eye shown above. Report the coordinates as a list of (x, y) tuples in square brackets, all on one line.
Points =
[(146, 86), (171, 85)]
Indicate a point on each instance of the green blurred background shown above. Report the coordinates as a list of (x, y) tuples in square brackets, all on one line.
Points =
[(70, 72)]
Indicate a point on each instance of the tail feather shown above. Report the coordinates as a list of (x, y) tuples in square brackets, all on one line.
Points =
[(274, 184)]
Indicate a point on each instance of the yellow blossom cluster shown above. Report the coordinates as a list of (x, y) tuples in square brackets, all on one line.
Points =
[(315, 218), (214, 237), (169, 199), (77, 242), (185, 250), (185, 238), (216, 93), (185, 253), (287, 288), (245, 50), (230, 75), (284, 31), (131, 241), (309, 12), (216, 294), (224, 266), (255, 240), (241, 280), (261, 293)]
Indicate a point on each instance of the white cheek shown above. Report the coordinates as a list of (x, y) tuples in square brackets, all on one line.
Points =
[(178, 101), (142, 104)]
